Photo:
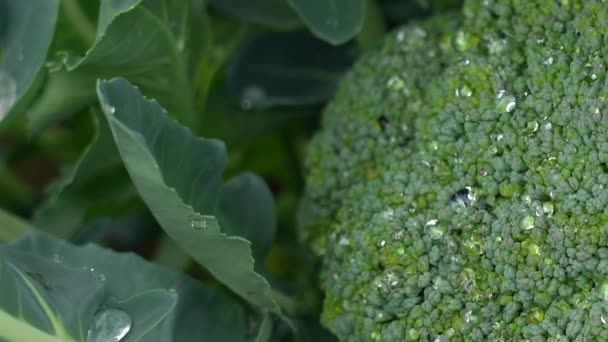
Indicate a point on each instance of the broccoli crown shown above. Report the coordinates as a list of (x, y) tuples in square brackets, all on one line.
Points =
[(457, 188)]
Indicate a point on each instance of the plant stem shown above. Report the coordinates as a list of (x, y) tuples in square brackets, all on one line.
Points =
[(285, 302), (374, 26), (79, 20)]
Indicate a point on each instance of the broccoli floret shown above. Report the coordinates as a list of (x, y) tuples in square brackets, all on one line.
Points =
[(458, 189)]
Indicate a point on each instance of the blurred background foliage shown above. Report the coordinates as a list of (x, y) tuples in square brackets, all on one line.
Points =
[(261, 71)]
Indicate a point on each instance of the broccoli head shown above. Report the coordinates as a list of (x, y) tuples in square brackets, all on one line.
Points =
[(458, 188)]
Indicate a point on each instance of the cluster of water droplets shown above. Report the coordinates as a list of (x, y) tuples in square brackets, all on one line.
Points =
[(199, 222)]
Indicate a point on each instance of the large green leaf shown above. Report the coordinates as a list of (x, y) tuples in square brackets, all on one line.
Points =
[(152, 43), (335, 21), (95, 185), (52, 291), (275, 14), (23, 50), (287, 69), (179, 177)]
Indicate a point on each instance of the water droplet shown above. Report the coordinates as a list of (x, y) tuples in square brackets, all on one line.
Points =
[(333, 22), (344, 241), (388, 214), (253, 97), (497, 46), (505, 102), (548, 209), (548, 61), (593, 77), (395, 83), (101, 277), (464, 91), (527, 222), (468, 316), (109, 325), (382, 243), (8, 93), (109, 109), (464, 41), (172, 290), (435, 231), (57, 258), (483, 172), (400, 36), (532, 126), (199, 222)]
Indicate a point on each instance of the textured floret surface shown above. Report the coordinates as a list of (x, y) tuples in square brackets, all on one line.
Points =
[(458, 188)]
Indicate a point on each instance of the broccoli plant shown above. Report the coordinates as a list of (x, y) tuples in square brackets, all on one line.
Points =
[(169, 129), (457, 189)]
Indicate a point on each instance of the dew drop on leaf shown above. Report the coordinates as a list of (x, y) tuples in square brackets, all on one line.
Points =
[(57, 258), (109, 325), (253, 97), (8, 93)]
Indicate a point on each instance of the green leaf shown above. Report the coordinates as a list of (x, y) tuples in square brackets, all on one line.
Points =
[(265, 331), (149, 42), (246, 208), (23, 50), (179, 178), (53, 291), (274, 14), (13, 227), (335, 21), (64, 94), (287, 69), (95, 185)]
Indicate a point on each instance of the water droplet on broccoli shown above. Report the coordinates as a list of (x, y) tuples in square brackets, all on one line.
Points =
[(464, 91), (527, 222), (505, 102), (548, 209), (548, 61), (532, 126), (395, 83), (109, 325), (435, 231), (344, 241), (388, 214), (8, 93)]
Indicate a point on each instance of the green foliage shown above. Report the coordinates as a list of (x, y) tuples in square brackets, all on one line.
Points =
[(24, 48), (335, 21), (456, 191), (53, 291)]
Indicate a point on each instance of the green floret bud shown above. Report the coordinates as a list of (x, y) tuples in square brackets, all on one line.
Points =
[(458, 188)]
